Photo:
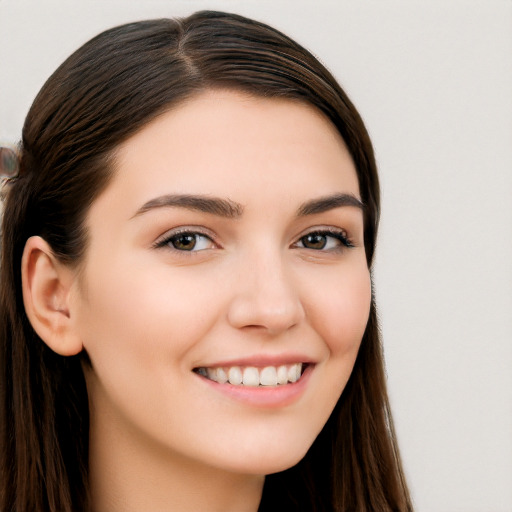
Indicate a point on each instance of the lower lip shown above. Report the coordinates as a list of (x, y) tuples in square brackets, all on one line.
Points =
[(264, 396)]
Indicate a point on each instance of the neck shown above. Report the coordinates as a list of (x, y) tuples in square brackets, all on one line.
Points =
[(129, 473)]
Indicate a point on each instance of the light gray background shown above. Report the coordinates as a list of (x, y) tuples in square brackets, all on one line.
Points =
[(433, 81)]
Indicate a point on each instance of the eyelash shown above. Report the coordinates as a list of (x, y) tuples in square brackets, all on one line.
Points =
[(167, 240), (340, 235)]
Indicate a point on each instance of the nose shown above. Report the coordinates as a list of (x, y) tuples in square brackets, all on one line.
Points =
[(265, 296)]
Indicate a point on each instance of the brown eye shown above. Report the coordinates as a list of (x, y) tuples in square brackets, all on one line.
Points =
[(325, 241), (316, 241), (184, 241)]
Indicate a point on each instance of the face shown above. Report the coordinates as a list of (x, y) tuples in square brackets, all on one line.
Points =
[(225, 289)]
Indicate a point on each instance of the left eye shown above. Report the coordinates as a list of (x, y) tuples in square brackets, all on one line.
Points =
[(188, 241), (322, 241)]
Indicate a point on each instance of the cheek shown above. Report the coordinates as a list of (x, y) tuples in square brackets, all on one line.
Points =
[(141, 311), (339, 312)]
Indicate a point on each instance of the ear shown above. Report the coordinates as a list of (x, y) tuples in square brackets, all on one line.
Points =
[(47, 286)]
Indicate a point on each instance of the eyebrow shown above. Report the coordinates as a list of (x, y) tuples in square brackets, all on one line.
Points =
[(232, 210), (327, 203), (214, 205)]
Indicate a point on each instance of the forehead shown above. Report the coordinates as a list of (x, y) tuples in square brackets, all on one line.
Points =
[(229, 143)]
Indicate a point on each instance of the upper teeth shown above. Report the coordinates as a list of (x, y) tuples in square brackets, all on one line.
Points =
[(252, 376)]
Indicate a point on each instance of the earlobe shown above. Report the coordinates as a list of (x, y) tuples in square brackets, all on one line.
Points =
[(46, 287)]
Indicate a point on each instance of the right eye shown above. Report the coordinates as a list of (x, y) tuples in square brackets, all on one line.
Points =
[(187, 241)]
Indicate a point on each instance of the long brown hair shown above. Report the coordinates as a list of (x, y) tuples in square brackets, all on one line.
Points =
[(102, 94)]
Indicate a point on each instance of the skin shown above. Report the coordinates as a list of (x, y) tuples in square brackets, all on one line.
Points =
[(162, 437)]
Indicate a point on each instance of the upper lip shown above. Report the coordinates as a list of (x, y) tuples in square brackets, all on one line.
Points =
[(260, 361)]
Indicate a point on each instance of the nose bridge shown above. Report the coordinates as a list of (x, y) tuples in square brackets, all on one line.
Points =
[(265, 294)]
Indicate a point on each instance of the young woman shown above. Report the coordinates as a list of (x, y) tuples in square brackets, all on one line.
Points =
[(187, 317)]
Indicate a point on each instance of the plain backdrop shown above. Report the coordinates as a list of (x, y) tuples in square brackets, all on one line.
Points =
[(433, 82)]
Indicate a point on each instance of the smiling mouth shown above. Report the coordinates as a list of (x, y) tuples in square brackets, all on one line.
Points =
[(253, 376)]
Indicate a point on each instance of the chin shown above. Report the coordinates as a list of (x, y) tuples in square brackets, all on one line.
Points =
[(270, 461)]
